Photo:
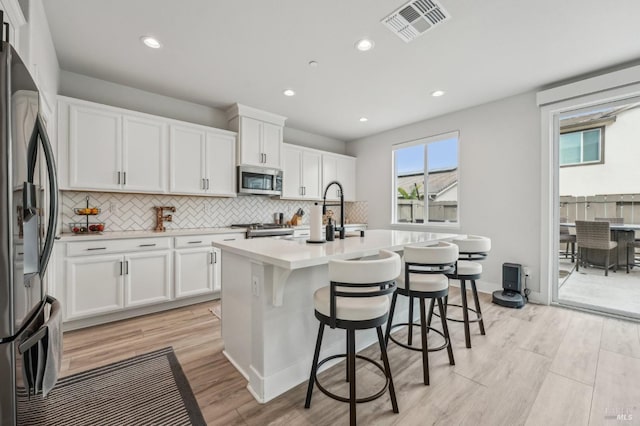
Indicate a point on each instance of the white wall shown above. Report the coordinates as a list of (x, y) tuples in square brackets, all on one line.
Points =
[(499, 187), (92, 89), (619, 174)]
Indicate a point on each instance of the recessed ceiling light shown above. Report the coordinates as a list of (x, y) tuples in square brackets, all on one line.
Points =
[(151, 42), (289, 92), (313, 64), (437, 93), (364, 45), (363, 119)]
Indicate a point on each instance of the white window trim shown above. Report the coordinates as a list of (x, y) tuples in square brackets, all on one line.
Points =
[(394, 189), (618, 86)]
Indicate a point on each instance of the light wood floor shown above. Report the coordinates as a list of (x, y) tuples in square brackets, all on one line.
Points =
[(536, 366)]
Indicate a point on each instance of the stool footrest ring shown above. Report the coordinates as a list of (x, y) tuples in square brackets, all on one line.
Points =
[(416, 348), (346, 399), (477, 319)]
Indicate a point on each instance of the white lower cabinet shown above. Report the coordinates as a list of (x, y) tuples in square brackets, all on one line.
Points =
[(94, 285), (147, 278), (107, 283), (197, 271), (110, 279)]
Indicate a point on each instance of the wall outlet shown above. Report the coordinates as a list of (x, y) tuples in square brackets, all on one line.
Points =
[(255, 288), (526, 271), (113, 208)]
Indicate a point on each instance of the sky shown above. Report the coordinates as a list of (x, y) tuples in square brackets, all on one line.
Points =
[(441, 154)]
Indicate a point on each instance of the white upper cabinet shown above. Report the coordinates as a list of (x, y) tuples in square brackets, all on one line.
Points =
[(259, 136), (343, 169), (144, 154), (187, 157), (95, 148), (111, 151), (202, 162), (302, 173), (221, 160), (102, 148)]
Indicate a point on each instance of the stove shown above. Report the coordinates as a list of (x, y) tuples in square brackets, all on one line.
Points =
[(258, 230)]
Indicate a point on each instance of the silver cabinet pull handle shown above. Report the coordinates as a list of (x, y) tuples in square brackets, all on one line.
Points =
[(124, 178), (194, 242), (215, 257), (147, 245), (207, 183), (119, 178), (229, 239), (211, 258), (126, 267), (121, 268), (96, 248), (203, 185)]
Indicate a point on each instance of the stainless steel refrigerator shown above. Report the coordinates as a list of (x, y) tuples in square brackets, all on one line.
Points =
[(28, 211)]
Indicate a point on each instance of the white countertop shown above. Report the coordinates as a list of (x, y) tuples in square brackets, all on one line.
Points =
[(148, 234), (296, 253)]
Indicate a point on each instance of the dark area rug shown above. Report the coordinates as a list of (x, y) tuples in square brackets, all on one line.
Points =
[(149, 389)]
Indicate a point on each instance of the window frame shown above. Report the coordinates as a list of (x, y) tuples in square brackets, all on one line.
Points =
[(581, 131), (394, 187)]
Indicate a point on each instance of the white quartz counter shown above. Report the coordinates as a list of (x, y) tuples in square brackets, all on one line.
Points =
[(295, 253), (148, 234)]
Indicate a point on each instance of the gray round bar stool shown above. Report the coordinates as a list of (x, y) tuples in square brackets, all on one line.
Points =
[(356, 299), (423, 277), (472, 248)]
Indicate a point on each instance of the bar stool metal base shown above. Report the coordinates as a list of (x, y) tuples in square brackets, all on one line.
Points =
[(465, 307), (346, 399), (416, 348)]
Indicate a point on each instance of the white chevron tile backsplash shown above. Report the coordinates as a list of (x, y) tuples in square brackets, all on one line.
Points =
[(133, 212)]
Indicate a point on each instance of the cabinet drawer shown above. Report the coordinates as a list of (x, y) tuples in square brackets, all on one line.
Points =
[(206, 240), (88, 248)]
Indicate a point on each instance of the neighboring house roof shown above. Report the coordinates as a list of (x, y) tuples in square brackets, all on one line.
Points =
[(439, 181), (594, 119)]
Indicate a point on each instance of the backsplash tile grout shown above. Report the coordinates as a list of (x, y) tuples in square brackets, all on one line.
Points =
[(135, 212)]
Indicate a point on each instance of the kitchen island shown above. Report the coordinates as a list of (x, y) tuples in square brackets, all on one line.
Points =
[(268, 322)]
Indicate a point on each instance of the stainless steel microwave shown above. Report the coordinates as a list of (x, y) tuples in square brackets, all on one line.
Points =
[(259, 181)]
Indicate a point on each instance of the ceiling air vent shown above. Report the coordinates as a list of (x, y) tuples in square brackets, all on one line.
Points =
[(415, 18)]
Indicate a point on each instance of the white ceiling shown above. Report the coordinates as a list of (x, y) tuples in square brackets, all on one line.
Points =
[(248, 51)]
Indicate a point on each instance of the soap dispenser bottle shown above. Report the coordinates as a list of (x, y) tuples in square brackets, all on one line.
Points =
[(330, 230)]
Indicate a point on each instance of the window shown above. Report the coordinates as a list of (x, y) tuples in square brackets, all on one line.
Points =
[(581, 147), (426, 180)]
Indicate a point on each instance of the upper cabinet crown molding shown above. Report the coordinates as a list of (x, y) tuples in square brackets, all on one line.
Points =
[(14, 12), (236, 110)]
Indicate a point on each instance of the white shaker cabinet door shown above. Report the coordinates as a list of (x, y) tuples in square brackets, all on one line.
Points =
[(194, 272), (147, 278), (251, 142), (271, 145), (187, 160), (94, 285), (145, 155), (95, 143), (221, 164), (291, 174), (311, 174)]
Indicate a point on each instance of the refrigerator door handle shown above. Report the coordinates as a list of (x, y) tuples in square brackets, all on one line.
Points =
[(39, 132)]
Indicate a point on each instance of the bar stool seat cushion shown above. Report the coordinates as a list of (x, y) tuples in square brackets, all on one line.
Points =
[(351, 308), (473, 244), (424, 282), (467, 268)]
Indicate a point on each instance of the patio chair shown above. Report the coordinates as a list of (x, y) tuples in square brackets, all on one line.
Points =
[(595, 235), (567, 238), (612, 220)]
